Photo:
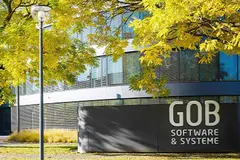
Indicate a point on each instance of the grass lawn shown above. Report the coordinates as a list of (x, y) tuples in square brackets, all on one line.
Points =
[(69, 151)]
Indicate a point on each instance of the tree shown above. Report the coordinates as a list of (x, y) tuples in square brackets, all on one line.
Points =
[(206, 26), (64, 56)]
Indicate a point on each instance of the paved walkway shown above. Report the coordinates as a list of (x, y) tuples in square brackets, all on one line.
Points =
[(125, 156), (52, 157), (2, 143), (9, 151), (3, 137)]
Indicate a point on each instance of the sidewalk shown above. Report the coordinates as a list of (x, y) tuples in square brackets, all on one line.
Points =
[(30, 151), (3, 137), (2, 143)]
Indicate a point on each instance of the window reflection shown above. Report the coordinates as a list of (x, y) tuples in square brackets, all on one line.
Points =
[(131, 66), (127, 32), (228, 99), (115, 71), (180, 67), (188, 66), (104, 70), (228, 67), (145, 101), (170, 68), (115, 23), (31, 87), (96, 73), (83, 80), (238, 67), (131, 101), (84, 34), (209, 72)]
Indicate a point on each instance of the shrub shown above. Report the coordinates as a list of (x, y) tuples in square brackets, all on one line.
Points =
[(50, 136)]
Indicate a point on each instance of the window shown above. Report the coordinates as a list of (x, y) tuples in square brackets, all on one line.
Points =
[(104, 71), (98, 103), (170, 68), (87, 103), (115, 102), (203, 99), (115, 23), (228, 99), (186, 100), (31, 88), (165, 100), (96, 72), (189, 71), (131, 101), (83, 80), (128, 31), (142, 15), (131, 66), (115, 71), (228, 67), (209, 72), (84, 35), (146, 101), (55, 87), (238, 67)]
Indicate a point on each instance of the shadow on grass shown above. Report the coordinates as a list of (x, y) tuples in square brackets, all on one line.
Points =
[(71, 148), (177, 155), (19, 147)]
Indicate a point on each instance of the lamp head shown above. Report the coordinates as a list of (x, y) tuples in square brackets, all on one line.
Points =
[(40, 12)]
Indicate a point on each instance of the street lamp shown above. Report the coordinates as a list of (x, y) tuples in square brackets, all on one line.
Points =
[(41, 14)]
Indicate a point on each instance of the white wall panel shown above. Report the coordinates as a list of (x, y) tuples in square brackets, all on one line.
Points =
[(100, 93)]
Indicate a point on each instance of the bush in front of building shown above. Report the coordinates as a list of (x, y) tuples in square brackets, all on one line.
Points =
[(50, 136)]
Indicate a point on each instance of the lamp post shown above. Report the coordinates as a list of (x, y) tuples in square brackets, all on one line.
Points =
[(18, 109), (41, 14)]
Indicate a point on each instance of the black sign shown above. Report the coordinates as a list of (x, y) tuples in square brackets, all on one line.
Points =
[(192, 127), (196, 127)]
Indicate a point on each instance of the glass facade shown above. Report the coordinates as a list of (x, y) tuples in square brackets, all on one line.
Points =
[(154, 101), (171, 68), (126, 32), (131, 66), (115, 71), (184, 67), (30, 87), (181, 67), (228, 67), (115, 23), (84, 34), (238, 67), (228, 99), (98, 74), (209, 72), (84, 79), (189, 71)]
